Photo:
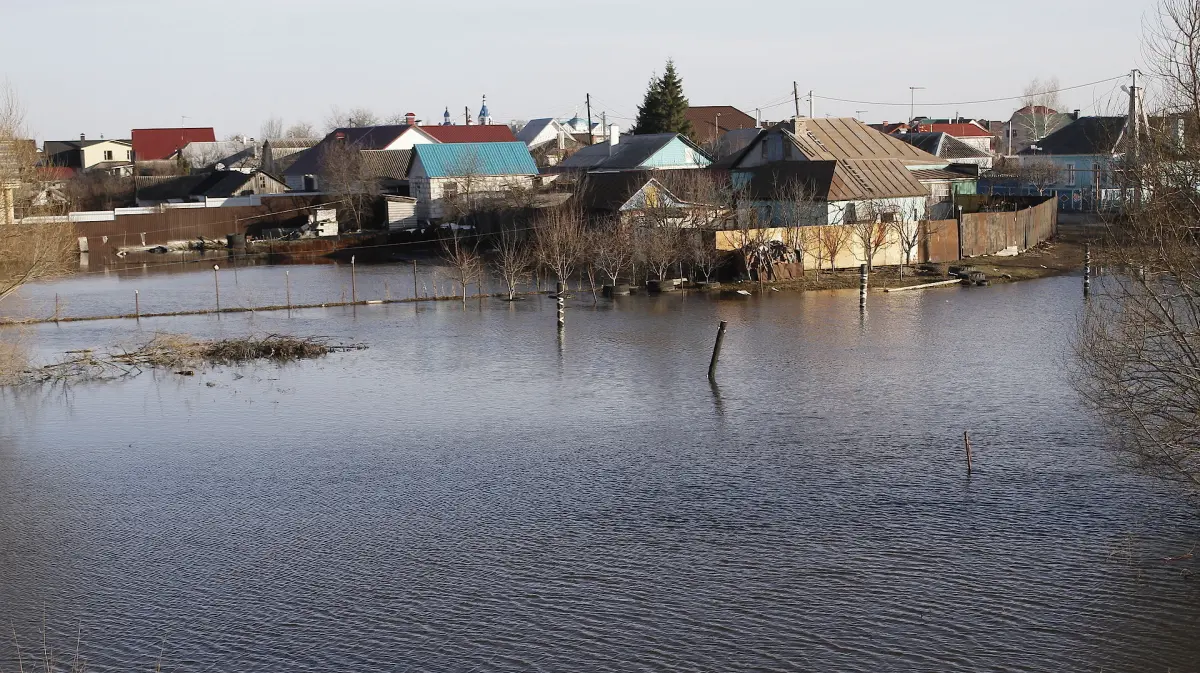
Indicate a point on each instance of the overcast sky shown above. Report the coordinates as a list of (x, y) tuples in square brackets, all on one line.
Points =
[(107, 66)]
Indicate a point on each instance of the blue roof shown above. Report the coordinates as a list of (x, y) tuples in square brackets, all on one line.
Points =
[(451, 160)]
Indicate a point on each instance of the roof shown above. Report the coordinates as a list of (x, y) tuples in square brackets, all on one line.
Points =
[(848, 138), (704, 119), (610, 191), (360, 137), (1086, 135), (464, 159), (291, 143), (156, 144), (630, 152), (387, 164), (956, 130), (488, 133), (56, 146), (730, 146), (217, 185), (832, 180), (943, 145), (542, 131), (104, 165), (934, 174)]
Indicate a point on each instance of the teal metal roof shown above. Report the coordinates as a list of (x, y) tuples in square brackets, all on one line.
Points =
[(451, 160)]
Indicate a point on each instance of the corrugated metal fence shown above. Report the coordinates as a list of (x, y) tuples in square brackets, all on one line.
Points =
[(988, 233)]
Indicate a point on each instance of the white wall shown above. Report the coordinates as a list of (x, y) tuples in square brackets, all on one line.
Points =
[(94, 154), (409, 138), (430, 193)]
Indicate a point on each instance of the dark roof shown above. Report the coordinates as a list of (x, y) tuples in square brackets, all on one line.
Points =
[(943, 145), (292, 143), (157, 144), (361, 137), (488, 133), (704, 119), (216, 185), (629, 153), (610, 191), (1086, 135), (387, 164)]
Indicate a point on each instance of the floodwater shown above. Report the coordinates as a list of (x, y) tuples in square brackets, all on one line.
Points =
[(471, 494)]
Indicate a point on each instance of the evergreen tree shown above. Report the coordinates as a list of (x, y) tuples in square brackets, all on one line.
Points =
[(664, 110)]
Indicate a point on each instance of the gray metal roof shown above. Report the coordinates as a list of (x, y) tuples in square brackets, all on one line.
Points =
[(387, 164), (943, 145), (631, 152), (833, 180)]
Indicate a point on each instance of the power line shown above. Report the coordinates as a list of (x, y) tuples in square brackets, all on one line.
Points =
[(971, 102)]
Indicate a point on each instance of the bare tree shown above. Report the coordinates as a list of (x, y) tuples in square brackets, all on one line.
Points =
[(512, 260), (352, 118), (1038, 172), (272, 127), (907, 233), (28, 251), (462, 255), (560, 241), (832, 240), (870, 229), (612, 249), (344, 175), (1138, 346), (301, 130)]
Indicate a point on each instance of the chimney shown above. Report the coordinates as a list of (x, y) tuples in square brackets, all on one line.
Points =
[(410, 119), (1075, 114), (614, 137), (82, 137)]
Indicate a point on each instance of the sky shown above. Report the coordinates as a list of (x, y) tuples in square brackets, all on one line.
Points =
[(104, 67)]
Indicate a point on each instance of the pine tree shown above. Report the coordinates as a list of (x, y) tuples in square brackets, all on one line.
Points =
[(664, 109)]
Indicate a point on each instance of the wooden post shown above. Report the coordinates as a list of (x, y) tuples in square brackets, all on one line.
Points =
[(55, 307), (217, 285), (862, 287), (967, 444), (287, 280), (415, 295), (137, 305), (353, 282), (712, 364), (562, 307), (1087, 269)]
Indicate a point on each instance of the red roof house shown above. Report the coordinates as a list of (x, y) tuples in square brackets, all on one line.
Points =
[(158, 144), (956, 130), (486, 133)]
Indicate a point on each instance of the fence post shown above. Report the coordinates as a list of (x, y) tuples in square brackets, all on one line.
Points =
[(287, 279), (862, 287), (415, 295), (137, 305), (217, 285), (353, 282), (1087, 269), (716, 355), (55, 307)]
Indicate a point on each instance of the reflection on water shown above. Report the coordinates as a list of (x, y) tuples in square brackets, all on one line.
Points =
[(472, 494)]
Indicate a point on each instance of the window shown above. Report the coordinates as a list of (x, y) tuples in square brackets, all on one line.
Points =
[(764, 149), (128, 155), (887, 217), (108, 155), (1069, 175), (851, 214), (450, 190)]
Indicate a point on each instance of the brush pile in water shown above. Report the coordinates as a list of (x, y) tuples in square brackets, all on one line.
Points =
[(172, 351)]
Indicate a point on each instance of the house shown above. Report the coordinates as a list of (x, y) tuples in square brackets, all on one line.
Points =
[(710, 122), (207, 187), (654, 151), (852, 142), (492, 133), (441, 173), (1031, 124), (1076, 163), (625, 194), (946, 146), (278, 154), (240, 154), (548, 140), (165, 143), (831, 191), (111, 156), (967, 132), (305, 171)]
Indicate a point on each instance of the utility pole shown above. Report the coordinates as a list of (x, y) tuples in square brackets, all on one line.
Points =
[(466, 115), (717, 127), (796, 97), (810, 104), (857, 113), (589, 107), (912, 101)]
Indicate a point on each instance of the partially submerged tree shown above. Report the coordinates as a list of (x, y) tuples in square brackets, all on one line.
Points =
[(512, 259), (560, 241), (612, 249), (344, 175), (1138, 347), (461, 254), (870, 229)]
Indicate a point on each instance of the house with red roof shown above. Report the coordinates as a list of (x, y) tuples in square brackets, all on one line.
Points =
[(970, 133), (161, 144), (491, 133)]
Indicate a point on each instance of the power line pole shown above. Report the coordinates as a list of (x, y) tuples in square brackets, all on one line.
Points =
[(912, 101), (589, 108), (810, 104), (796, 97)]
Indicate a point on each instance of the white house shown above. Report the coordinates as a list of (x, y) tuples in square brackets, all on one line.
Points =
[(305, 172), (442, 172)]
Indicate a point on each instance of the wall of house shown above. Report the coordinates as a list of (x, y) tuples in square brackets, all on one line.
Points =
[(983, 143), (401, 213), (776, 150), (814, 242), (430, 193), (408, 139), (94, 154), (676, 154)]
